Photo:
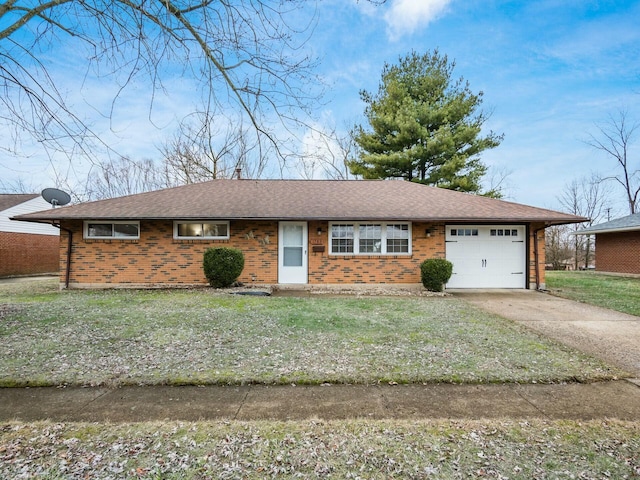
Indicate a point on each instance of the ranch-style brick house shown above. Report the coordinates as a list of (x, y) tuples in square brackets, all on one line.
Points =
[(617, 244), (316, 232)]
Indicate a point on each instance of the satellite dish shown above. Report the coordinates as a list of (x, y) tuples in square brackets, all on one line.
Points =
[(56, 197)]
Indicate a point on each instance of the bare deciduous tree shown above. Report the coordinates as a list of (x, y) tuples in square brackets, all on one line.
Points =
[(18, 186), (585, 197), (206, 148), (243, 56), (327, 155), (497, 182), (615, 139), (558, 248), (122, 176)]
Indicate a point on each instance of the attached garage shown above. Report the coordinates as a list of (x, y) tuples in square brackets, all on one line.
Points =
[(487, 256)]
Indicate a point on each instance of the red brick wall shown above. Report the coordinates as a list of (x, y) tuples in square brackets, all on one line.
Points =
[(158, 259), (618, 252), (326, 268), (28, 254), (541, 255)]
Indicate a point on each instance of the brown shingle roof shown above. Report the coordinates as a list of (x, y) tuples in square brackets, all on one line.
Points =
[(8, 200), (305, 200)]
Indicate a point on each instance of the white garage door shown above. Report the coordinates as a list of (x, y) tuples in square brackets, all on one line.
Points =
[(484, 256)]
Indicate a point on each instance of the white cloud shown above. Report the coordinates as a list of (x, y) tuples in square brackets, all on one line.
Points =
[(406, 16)]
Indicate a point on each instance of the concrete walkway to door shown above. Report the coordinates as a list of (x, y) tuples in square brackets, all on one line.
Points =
[(606, 334)]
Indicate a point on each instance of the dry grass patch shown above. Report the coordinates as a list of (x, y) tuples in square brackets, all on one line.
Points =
[(317, 449), (120, 337)]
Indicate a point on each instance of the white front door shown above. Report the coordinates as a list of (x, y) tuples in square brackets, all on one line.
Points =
[(292, 252), (487, 256)]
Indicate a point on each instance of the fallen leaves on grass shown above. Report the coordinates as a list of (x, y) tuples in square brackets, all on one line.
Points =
[(318, 449), (198, 337)]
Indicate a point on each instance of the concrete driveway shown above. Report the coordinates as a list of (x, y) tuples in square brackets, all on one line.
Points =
[(609, 335)]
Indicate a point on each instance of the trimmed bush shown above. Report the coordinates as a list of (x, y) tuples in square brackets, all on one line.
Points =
[(222, 266), (435, 272)]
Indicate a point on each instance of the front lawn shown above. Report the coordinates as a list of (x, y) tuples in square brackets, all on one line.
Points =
[(318, 449), (119, 337), (609, 291)]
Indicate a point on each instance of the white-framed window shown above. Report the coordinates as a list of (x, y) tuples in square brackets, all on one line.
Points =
[(123, 230), (398, 238), (201, 230), (370, 238)]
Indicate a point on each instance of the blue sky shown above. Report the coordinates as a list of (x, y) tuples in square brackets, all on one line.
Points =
[(550, 70)]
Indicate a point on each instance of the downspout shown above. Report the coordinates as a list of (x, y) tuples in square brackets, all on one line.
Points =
[(536, 256), (69, 243)]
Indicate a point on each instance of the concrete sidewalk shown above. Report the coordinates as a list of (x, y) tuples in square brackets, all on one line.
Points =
[(615, 399)]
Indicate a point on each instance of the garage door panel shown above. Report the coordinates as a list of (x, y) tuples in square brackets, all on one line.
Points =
[(486, 256)]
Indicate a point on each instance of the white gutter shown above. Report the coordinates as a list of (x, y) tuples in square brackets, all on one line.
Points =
[(608, 230)]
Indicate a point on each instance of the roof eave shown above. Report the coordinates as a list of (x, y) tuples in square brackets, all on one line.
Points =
[(609, 230), (50, 221), (548, 221)]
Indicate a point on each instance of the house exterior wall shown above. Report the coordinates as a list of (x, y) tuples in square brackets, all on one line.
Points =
[(157, 259), (325, 268), (618, 252), (28, 254), (537, 230), (27, 248)]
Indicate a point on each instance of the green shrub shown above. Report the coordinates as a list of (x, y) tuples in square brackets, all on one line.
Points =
[(435, 272), (222, 266)]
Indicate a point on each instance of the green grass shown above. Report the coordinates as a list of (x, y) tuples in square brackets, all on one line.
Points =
[(609, 291), (322, 449), (119, 337)]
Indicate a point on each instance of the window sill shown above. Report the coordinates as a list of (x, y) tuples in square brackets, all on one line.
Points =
[(369, 255), (200, 240), (111, 240)]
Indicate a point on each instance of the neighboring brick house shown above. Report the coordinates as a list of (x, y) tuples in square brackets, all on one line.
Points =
[(303, 232), (617, 244), (26, 248)]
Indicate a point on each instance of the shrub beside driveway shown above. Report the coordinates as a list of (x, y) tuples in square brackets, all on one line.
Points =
[(122, 337)]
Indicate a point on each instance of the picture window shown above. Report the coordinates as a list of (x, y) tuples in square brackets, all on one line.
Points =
[(370, 238)]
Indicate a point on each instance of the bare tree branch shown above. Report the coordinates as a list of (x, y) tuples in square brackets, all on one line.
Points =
[(242, 56), (207, 147), (327, 155), (585, 197), (615, 139), (122, 176)]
